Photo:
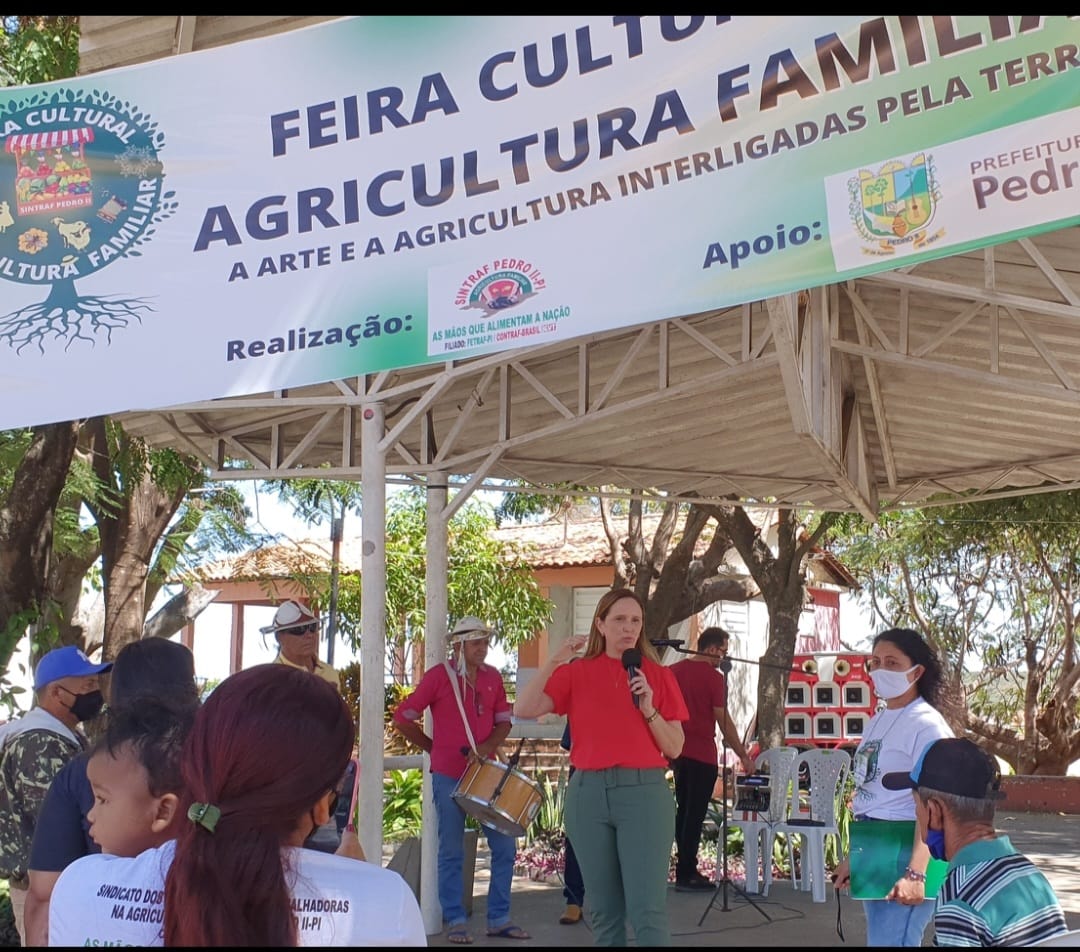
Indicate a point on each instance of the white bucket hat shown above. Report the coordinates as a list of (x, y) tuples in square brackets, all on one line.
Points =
[(290, 614), (470, 628)]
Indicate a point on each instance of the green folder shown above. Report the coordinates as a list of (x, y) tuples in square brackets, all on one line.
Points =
[(878, 855)]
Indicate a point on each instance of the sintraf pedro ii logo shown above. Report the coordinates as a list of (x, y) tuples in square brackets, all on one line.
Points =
[(80, 187), (499, 286), (895, 205)]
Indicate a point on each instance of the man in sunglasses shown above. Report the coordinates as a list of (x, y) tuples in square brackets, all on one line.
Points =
[(297, 633)]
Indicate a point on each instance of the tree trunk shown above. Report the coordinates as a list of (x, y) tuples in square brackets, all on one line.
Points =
[(129, 531), (776, 664), (782, 582), (673, 583), (26, 529), (63, 608), (180, 610)]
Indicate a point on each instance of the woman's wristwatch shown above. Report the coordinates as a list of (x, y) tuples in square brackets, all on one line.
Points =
[(653, 716)]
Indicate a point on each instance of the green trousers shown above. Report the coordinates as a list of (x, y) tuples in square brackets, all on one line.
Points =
[(622, 824)]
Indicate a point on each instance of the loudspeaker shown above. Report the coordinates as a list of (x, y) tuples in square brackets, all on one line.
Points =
[(798, 694), (826, 694), (797, 726), (826, 727), (856, 694), (854, 725)]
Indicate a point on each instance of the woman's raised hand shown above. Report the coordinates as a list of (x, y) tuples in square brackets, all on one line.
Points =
[(572, 646)]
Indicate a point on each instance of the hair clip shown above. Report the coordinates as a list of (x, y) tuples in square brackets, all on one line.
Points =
[(205, 815)]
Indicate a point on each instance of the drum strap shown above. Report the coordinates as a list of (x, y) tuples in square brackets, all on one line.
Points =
[(452, 675), (468, 730)]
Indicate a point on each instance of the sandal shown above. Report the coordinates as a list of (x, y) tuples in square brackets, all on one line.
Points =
[(459, 935), (509, 931)]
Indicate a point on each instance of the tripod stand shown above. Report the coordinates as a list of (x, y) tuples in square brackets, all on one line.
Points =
[(724, 882)]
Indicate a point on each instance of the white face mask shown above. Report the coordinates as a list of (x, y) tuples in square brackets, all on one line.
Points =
[(890, 684)]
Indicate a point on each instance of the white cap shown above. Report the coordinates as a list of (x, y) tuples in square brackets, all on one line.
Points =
[(290, 614), (470, 628)]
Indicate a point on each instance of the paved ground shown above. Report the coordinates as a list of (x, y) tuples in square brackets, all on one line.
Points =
[(1051, 840)]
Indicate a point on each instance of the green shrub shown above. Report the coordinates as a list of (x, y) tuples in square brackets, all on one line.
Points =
[(9, 937), (402, 803), (547, 827)]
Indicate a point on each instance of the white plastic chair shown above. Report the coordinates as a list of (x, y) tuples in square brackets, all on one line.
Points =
[(776, 762), (814, 814)]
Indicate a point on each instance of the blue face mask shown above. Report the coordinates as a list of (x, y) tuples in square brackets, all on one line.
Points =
[(935, 842)]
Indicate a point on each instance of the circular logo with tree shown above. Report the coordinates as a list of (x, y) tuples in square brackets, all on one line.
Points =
[(81, 186)]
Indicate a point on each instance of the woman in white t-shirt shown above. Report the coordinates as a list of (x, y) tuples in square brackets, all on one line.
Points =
[(907, 677), (260, 769)]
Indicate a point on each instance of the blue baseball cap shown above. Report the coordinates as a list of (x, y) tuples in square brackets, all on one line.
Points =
[(66, 662), (953, 765)]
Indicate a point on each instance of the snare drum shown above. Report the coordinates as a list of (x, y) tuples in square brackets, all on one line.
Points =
[(509, 808)]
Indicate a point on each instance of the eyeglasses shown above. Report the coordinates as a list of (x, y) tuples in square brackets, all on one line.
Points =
[(305, 630)]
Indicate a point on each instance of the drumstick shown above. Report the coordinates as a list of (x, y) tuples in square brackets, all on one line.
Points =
[(516, 754)]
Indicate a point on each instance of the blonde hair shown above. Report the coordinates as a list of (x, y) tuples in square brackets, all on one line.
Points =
[(596, 644)]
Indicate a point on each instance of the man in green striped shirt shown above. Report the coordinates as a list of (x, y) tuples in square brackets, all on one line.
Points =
[(992, 895)]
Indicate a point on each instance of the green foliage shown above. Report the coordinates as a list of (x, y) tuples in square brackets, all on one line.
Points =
[(484, 576), (547, 827), (992, 585), (13, 446), (133, 460), (43, 639), (394, 694), (208, 686), (350, 685), (402, 804), (522, 506), (9, 936), (36, 49), (316, 500), (837, 850)]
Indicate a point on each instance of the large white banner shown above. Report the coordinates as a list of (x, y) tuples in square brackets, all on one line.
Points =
[(381, 192)]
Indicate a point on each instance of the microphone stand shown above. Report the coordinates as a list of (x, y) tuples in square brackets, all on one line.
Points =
[(724, 882)]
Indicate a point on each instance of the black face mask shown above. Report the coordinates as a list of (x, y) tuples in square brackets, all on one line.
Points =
[(86, 706)]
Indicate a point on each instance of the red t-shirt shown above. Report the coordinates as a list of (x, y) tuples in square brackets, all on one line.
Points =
[(608, 730), (485, 707), (703, 689)]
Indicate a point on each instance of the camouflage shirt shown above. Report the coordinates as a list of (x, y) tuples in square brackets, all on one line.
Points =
[(28, 764)]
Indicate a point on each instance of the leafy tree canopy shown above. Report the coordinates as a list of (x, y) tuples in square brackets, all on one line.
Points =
[(38, 49), (995, 586)]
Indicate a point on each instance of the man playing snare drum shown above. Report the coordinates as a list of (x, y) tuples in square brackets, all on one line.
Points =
[(466, 697)]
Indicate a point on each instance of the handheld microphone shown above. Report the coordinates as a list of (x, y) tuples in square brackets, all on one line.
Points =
[(666, 642), (631, 660)]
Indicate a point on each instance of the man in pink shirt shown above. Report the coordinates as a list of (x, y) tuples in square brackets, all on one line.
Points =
[(463, 689), (704, 689)]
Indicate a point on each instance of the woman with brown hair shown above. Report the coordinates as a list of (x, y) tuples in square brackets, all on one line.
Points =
[(260, 771), (625, 711)]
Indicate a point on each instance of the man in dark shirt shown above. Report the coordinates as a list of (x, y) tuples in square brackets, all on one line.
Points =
[(704, 689)]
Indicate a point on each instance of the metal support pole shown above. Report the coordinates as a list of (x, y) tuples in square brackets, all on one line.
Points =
[(337, 526), (434, 653), (372, 629)]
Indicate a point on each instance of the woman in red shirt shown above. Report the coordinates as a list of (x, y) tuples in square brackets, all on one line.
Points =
[(626, 724)]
